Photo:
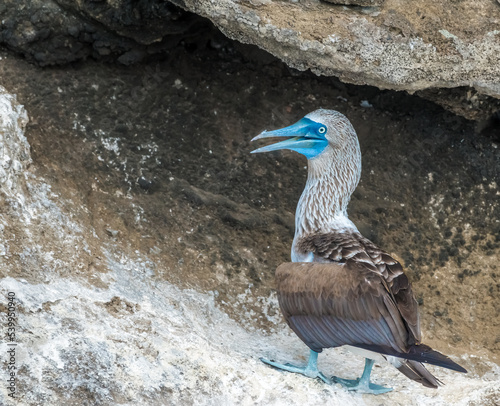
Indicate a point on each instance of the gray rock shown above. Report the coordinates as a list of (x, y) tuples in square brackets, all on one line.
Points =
[(14, 148), (144, 21), (126, 295), (58, 32), (410, 46), (362, 3)]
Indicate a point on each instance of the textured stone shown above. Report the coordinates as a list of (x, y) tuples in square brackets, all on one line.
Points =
[(402, 45), (141, 238), (14, 148), (396, 44), (144, 21), (58, 32), (362, 3)]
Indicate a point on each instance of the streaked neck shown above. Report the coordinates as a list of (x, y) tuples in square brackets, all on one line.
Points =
[(331, 180)]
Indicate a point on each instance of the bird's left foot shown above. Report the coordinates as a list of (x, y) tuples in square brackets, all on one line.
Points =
[(361, 386), (310, 370)]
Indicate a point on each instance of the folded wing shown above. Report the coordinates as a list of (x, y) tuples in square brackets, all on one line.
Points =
[(334, 304)]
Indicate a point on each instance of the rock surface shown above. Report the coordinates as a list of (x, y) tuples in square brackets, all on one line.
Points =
[(363, 3), (413, 46), (61, 31), (15, 154), (402, 45), (140, 237)]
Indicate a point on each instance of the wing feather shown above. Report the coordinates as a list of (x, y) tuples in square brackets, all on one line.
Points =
[(329, 305), (353, 293), (352, 247)]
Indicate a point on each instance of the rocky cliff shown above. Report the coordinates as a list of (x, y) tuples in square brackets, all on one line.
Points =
[(139, 237)]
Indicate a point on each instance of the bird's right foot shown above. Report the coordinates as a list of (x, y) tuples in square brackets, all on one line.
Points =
[(363, 384)]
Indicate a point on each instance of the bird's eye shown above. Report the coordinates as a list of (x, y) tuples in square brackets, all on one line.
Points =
[(322, 130)]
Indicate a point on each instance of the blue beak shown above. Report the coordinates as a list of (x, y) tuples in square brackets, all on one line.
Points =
[(306, 137)]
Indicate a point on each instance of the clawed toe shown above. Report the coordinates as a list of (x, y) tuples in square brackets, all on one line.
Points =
[(311, 370)]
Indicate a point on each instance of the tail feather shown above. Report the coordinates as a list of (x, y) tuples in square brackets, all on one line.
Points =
[(415, 371), (424, 353), (420, 353)]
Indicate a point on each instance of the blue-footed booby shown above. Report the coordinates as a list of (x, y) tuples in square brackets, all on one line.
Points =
[(341, 289)]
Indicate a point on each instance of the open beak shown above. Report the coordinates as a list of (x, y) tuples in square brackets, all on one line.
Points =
[(302, 138)]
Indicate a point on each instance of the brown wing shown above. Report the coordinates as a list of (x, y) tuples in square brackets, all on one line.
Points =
[(329, 305), (348, 248)]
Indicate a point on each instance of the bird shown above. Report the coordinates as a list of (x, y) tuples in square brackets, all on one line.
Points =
[(340, 289)]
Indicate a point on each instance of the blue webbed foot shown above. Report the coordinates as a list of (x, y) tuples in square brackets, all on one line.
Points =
[(310, 370), (362, 387), (363, 384)]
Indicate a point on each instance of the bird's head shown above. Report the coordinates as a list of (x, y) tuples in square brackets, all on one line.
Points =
[(328, 140), (313, 135)]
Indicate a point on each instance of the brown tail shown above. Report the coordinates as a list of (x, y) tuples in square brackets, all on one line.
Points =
[(415, 371), (419, 353), (410, 363)]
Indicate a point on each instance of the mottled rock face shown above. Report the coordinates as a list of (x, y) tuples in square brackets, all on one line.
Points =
[(58, 32), (362, 3), (15, 153), (422, 46), (141, 237), (401, 45)]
